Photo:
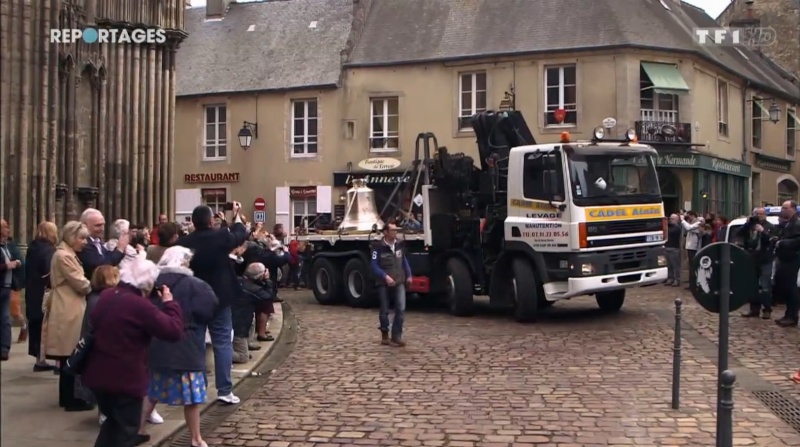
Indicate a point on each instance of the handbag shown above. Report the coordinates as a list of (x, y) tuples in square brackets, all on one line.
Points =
[(76, 362)]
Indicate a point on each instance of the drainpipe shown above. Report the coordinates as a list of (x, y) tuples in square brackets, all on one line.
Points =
[(745, 148)]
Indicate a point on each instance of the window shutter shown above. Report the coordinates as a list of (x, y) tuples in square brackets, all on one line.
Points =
[(323, 199)]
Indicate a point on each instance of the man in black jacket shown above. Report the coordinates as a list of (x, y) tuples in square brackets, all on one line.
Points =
[(95, 254), (755, 237), (787, 252), (256, 291), (673, 249), (211, 264)]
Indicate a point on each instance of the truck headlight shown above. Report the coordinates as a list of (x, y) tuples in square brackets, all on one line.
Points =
[(662, 261), (587, 269)]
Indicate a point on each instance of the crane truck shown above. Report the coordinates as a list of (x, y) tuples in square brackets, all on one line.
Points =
[(532, 224)]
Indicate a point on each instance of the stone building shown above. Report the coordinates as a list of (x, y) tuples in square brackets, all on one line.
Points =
[(782, 15), (86, 124), (340, 89)]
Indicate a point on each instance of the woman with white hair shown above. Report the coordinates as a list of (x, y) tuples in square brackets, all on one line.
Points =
[(119, 228), (178, 368), (123, 322)]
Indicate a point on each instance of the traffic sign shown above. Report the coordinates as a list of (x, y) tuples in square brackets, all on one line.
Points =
[(707, 266), (259, 216), (260, 204)]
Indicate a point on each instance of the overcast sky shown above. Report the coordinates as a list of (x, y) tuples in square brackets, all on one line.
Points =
[(712, 7)]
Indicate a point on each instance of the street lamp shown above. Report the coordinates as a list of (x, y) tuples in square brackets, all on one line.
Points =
[(774, 112), (247, 133)]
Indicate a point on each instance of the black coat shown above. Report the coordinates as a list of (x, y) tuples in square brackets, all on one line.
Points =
[(759, 246), (91, 258), (211, 262), (252, 294), (37, 276), (198, 303), (788, 248)]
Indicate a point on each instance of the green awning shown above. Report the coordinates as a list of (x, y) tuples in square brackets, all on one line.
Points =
[(666, 79)]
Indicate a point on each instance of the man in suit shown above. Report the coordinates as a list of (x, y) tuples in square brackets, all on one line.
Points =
[(10, 279), (95, 254), (212, 264)]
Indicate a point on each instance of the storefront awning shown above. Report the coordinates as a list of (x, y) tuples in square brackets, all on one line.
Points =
[(666, 78)]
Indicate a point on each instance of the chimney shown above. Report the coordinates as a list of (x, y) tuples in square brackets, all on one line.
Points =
[(749, 11), (216, 9)]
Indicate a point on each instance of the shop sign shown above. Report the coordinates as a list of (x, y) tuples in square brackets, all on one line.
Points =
[(220, 177), (694, 161), (302, 192), (214, 194), (379, 164), (373, 180), (773, 163)]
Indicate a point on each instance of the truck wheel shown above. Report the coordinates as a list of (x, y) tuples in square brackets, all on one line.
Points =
[(610, 301), (359, 289), (459, 288), (326, 282), (525, 289)]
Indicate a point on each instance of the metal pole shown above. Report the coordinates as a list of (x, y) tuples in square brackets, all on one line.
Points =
[(676, 358), (725, 416), (724, 313)]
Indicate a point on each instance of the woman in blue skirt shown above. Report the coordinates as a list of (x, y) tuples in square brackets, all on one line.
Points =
[(178, 375)]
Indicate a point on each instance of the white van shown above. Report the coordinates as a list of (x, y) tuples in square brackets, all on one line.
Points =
[(736, 224)]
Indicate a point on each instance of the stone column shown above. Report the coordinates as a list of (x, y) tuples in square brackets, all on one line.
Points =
[(170, 150)]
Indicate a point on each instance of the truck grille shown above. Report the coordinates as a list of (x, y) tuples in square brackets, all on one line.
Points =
[(623, 227)]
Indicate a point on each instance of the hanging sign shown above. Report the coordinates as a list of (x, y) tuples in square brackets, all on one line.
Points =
[(379, 164)]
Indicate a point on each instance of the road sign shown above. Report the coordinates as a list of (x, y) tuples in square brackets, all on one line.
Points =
[(260, 204), (259, 216), (707, 285)]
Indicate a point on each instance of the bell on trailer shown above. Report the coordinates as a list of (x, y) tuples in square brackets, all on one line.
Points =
[(361, 214)]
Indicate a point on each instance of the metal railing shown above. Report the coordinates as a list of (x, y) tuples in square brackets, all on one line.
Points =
[(663, 132)]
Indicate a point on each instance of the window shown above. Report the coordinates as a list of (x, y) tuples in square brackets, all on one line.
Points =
[(757, 114), (791, 132), (304, 211), (472, 98), (722, 108), (384, 132), (214, 198), (537, 175), (787, 190), (726, 194), (657, 107), (560, 92), (216, 133), (304, 128)]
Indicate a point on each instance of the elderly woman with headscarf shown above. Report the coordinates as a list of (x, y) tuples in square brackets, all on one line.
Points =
[(177, 376), (119, 228), (123, 322)]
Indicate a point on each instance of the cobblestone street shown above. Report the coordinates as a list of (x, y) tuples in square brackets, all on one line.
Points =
[(576, 378)]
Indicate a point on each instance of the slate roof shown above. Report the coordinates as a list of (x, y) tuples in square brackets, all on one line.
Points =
[(416, 31), (282, 52)]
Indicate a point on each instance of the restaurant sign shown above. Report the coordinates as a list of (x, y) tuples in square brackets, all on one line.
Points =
[(694, 161), (773, 163), (373, 180), (220, 177), (379, 164)]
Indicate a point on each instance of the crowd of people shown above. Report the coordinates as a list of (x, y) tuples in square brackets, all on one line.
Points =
[(125, 322)]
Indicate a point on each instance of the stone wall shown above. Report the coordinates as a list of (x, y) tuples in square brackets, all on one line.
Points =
[(784, 17), (85, 124)]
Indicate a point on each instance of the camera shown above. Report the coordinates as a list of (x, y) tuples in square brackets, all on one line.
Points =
[(228, 206), (753, 220)]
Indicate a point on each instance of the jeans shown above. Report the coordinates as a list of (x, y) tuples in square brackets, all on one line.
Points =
[(5, 320), (765, 286), (674, 265), (219, 328), (123, 415), (399, 293)]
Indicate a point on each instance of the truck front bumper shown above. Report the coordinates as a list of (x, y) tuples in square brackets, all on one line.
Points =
[(611, 270)]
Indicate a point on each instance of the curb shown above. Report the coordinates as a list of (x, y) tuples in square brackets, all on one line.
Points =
[(174, 434)]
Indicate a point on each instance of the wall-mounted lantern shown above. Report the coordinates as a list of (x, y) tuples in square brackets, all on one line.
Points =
[(774, 112), (247, 133)]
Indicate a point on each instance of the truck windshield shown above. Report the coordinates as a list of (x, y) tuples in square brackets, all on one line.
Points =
[(608, 178)]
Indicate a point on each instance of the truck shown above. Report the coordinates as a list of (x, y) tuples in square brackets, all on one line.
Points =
[(528, 225)]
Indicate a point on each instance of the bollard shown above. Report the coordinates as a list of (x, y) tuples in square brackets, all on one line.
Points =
[(725, 415), (676, 358)]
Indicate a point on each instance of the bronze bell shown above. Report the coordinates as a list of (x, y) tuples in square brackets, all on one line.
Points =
[(362, 213)]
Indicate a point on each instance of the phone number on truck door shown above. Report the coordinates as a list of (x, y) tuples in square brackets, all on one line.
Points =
[(545, 234)]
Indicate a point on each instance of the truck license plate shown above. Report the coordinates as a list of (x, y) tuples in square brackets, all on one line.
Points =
[(655, 237)]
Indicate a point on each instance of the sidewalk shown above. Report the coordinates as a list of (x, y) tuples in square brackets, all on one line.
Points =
[(30, 416)]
